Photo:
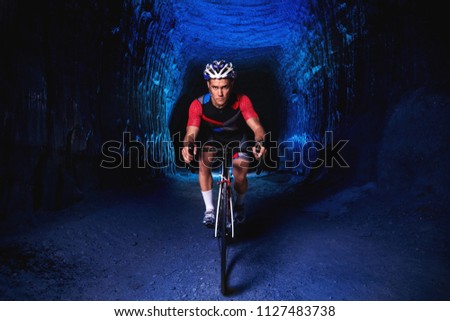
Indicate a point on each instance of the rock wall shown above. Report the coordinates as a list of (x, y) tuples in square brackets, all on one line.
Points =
[(57, 83), (77, 74), (414, 150)]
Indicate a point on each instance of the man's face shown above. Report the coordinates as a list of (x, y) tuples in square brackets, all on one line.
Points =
[(220, 90)]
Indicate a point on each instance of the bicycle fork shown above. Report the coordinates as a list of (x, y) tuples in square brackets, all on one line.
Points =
[(224, 183)]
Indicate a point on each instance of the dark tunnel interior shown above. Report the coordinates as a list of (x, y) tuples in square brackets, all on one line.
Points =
[(69, 88), (258, 83), (94, 101)]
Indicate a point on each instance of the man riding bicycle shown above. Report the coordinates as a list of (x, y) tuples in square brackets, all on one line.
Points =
[(219, 118)]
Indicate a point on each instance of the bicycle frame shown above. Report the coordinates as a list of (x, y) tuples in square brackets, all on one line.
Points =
[(225, 183)]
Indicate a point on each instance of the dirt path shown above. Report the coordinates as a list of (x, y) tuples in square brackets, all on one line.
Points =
[(148, 243)]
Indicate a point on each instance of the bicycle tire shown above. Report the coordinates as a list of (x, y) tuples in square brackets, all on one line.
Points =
[(223, 239)]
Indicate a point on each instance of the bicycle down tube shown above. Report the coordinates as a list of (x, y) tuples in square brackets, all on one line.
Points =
[(225, 182)]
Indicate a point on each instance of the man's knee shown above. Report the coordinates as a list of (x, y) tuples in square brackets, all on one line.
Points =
[(240, 173), (240, 178)]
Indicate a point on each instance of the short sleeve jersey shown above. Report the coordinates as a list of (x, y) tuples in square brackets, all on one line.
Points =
[(225, 124)]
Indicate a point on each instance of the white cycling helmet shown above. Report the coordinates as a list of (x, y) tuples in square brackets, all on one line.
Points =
[(219, 70)]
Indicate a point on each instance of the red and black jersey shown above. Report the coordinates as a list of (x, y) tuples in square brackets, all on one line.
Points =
[(221, 124)]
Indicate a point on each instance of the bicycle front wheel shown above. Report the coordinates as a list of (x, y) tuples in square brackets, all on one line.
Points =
[(223, 238)]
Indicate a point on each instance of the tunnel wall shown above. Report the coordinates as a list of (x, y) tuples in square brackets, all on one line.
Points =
[(76, 74), (318, 68), (57, 82), (311, 47), (152, 78), (308, 47)]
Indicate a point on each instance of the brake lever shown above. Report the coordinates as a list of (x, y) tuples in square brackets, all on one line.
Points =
[(191, 147), (259, 168)]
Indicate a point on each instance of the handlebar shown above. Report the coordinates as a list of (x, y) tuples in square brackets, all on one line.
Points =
[(191, 147)]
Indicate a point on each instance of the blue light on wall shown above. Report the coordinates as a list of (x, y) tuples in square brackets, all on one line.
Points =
[(310, 46)]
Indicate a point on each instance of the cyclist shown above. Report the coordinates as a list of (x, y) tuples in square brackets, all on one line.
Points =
[(221, 117)]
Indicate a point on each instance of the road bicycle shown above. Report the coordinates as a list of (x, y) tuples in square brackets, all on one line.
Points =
[(224, 229)]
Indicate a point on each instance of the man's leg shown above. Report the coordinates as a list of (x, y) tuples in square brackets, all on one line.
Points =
[(240, 169), (205, 180)]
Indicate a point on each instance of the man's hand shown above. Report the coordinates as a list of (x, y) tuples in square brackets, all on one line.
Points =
[(259, 150), (188, 152)]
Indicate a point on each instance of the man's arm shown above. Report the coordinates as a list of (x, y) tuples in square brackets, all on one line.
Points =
[(258, 130), (192, 129), (256, 127), (191, 134)]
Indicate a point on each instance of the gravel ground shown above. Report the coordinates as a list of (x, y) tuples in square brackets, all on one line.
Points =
[(148, 243)]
